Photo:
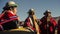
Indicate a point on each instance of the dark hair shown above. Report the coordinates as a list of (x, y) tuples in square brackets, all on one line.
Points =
[(8, 8), (46, 12)]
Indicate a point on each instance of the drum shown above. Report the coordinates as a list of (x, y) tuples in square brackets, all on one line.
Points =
[(20, 30)]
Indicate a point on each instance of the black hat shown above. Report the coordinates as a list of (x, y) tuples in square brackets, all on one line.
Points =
[(47, 11), (31, 10)]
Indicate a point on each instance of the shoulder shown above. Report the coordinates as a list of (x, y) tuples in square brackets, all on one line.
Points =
[(52, 18), (9, 12), (43, 18), (27, 18)]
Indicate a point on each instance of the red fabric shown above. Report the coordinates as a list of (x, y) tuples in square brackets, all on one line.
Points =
[(52, 20), (54, 23), (28, 23), (8, 21), (9, 14), (43, 20), (51, 29)]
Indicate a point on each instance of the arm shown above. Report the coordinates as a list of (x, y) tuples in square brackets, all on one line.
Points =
[(54, 22)]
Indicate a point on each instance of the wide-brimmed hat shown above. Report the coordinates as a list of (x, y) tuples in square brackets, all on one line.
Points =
[(10, 4), (31, 10), (47, 11)]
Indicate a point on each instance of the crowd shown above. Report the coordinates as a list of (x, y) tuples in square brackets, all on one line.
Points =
[(10, 20)]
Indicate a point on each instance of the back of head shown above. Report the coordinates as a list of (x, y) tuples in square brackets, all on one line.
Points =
[(31, 12)]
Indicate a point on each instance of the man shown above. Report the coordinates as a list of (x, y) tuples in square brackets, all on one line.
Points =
[(48, 23), (31, 22), (59, 26), (9, 18)]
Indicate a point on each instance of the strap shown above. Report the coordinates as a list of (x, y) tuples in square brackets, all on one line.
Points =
[(8, 21)]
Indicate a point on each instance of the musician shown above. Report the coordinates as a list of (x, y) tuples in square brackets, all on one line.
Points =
[(48, 23), (9, 18), (31, 22)]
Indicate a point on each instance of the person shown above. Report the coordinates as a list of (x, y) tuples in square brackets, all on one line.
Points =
[(8, 17), (48, 23), (58, 27), (31, 22)]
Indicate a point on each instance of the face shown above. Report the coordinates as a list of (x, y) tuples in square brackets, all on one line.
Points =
[(15, 10), (49, 14), (32, 13)]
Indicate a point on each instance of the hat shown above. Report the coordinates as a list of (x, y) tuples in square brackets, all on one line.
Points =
[(31, 10), (10, 3), (47, 11)]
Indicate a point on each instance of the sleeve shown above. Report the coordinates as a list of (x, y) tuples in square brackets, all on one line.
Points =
[(53, 21), (26, 23), (10, 17), (42, 20)]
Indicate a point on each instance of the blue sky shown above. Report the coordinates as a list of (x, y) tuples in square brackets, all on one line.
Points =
[(40, 7)]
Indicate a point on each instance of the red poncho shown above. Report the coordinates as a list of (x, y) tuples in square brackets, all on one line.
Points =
[(7, 17), (52, 21)]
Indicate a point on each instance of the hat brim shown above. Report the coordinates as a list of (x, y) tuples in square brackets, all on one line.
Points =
[(46, 13), (14, 5)]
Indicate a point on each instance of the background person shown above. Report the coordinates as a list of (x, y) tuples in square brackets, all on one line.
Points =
[(32, 22), (48, 23), (9, 18)]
